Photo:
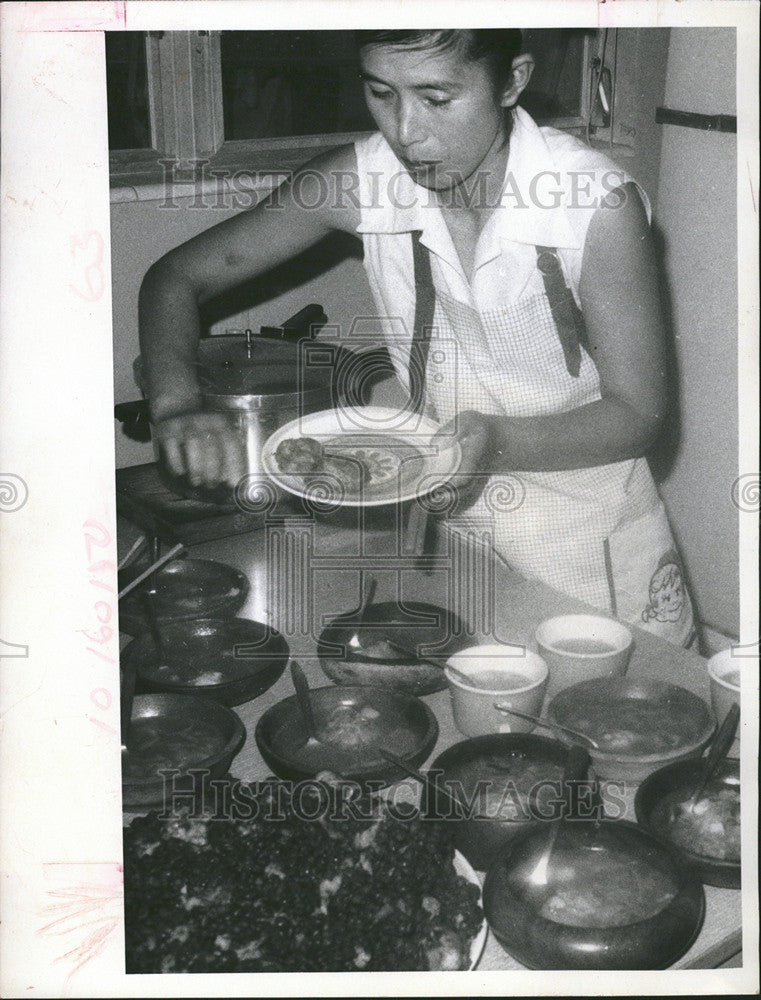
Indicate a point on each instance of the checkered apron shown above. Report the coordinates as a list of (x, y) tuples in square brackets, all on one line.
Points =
[(599, 534)]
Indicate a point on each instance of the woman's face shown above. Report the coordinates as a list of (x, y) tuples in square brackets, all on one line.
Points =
[(438, 110)]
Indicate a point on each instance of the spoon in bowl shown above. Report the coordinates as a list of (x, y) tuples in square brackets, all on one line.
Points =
[(301, 685), (546, 724), (719, 748), (409, 655), (576, 768)]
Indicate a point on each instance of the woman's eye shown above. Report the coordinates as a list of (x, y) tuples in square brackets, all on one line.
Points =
[(437, 102), (380, 95)]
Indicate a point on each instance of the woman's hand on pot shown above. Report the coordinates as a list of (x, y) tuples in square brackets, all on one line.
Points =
[(201, 446)]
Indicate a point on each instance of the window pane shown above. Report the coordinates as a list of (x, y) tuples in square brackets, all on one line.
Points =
[(555, 87), (281, 83), (287, 83), (127, 90)]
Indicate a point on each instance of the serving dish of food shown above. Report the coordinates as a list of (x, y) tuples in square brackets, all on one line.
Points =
[(705, 833), (275, 891), (354, 724), (229, 659), (363, 456), (638, 725)]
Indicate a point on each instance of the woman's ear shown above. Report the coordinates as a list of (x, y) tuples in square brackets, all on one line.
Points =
[(520, 74)]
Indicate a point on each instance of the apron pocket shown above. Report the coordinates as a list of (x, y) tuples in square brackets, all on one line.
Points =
[(646, 578)]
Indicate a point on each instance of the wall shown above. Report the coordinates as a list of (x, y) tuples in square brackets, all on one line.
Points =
[(697, 217)]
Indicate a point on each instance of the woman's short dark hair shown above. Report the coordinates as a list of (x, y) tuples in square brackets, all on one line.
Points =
[(495, 46)]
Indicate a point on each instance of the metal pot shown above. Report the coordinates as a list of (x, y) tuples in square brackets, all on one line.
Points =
[(261, 382)]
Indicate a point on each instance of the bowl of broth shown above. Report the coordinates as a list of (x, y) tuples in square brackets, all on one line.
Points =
[(354, 726), (176, 743), (580, 647), (509, 674), (506, 782), (638, 725), (589, 895)]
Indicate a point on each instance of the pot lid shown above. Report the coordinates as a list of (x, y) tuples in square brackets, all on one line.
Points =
[(232, 367)]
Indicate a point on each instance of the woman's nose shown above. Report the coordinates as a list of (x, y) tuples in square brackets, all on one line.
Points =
[(409, 126)]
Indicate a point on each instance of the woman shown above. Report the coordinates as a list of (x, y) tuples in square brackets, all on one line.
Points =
[(524, 262)]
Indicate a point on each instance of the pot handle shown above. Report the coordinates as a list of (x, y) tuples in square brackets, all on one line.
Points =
[(135, 419), (303, 324)]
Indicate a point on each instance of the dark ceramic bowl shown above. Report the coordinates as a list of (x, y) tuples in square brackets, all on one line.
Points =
[(353, 722), (177, 733), (425, 629), (674, 784), (182, 590), (231, 660), (556, 904), (504, 763)]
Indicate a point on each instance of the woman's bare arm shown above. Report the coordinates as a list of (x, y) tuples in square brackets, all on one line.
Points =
[(626, 335), (195, 442)]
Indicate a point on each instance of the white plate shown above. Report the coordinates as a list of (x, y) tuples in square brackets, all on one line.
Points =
[(396, 445), (463, 867)]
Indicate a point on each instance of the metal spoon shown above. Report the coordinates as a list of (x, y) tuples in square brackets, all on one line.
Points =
[(146, 599), (576, 768), (408, 654), (545, 723), (425, 779)]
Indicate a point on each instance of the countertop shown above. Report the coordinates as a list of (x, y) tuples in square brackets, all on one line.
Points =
[(305, 570)]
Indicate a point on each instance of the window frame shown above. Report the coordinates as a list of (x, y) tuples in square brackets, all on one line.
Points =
[(184, 73)]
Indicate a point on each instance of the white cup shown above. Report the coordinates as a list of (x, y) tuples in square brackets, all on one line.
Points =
[(509, 674), (724, 676), (581, 647)]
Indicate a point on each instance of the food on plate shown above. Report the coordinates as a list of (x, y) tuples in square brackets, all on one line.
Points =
[(601, 887), (501, 786), (710, 827), (274, 891), (299, 455), (353, 465), (306, 457)]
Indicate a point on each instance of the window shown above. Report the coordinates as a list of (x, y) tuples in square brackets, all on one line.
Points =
[(129, 125), (212, 99)]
